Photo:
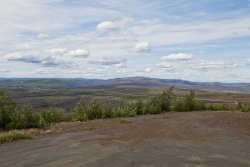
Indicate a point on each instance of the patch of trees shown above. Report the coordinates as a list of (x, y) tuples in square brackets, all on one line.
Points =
[(13, 117)]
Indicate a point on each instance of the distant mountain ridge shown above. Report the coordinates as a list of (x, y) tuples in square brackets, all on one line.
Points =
[(67, 83)]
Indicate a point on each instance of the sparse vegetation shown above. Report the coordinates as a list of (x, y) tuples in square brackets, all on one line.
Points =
[(8, 110), (13, 117), (243, 106), (11, 136), (188, 103), (123, 121)]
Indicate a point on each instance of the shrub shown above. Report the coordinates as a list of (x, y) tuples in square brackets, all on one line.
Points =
[(117, 112), (162, 102), (139, 107), (8, 110), (94, 111), (180, 105), (30, 119), (84, 113), (200, 106), (154, 108), (107, 111), (188, 103), (129, 110), (26, 118), (167, 98), (243, 107), (53, 115), (80, 111)]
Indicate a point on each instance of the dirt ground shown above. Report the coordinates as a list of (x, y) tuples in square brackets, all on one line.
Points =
[(197, 139)]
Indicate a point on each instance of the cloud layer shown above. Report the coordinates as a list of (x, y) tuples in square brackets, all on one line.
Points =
[(35, 58), (213, 65), (141, 47), (114, 25), (178, 57), (107, 39), (165, 66), (108, 61)]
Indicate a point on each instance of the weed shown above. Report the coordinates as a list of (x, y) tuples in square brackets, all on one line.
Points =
[(10, 136), (123, 121)]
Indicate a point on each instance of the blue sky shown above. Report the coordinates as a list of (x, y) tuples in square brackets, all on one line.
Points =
[(201, 40)]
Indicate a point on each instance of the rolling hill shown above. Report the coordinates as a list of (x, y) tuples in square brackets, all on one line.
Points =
[(68, 83)]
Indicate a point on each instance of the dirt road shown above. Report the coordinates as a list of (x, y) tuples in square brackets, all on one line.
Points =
[(172, 139)]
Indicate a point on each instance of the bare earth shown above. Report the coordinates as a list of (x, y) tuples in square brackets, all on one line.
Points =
[(172, 139)]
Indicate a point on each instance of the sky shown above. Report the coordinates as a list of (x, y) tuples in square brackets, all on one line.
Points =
[(199, 40)]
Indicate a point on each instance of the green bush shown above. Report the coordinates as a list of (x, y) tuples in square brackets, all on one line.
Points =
[(8, 109), (12, 117), (162, 102), (117, 112), (200, 106), (31, 118), (80, 111), (107, 111), (53, 115), (180, 105), (188, 103), (139, 107), (94, 111), (84, 113), (129, 110), (244, 107), (26, 118)]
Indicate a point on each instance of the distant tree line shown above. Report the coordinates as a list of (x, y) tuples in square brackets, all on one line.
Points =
[(14, 117)]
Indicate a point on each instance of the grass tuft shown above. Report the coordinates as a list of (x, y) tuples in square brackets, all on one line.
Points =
[(123, 121), (10, 136)]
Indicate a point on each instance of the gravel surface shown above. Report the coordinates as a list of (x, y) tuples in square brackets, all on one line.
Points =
[(172, 139)]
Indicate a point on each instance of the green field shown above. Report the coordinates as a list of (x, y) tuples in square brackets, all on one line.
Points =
[(67, 98)]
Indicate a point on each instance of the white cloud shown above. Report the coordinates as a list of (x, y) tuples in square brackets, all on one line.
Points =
[(191, 32), (57, 51), (25, 46), (35, 58), (148, 69), (82, 37), (141, 47), (145, 70), (213, 65), (118, 38), (108, 61), (120, 65), (28, 57), (78, 53), (166, 66), (114, 25), (248, 61), (26, 23), (178, 57), (42, 36)]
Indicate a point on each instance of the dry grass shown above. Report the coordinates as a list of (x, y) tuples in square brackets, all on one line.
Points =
[(123, 121), (10, 136), (14, 135)]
